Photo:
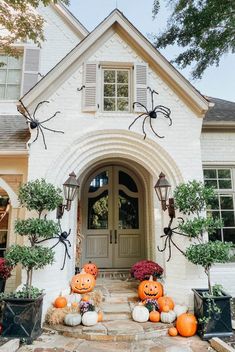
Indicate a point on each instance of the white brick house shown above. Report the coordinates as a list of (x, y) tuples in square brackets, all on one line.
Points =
[(115, 164)]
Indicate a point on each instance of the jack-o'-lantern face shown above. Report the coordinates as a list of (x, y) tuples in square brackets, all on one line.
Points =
[(149, 289), (91, 268), (83, 282)]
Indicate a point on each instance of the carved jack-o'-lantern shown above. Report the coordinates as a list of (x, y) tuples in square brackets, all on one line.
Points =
[(149, 289), (91, 268), (83, 282)]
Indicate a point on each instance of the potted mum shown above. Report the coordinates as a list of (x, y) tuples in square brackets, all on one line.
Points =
[(5, 273), (22, 309), (211, 304)]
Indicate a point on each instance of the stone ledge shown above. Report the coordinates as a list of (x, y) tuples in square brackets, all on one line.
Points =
[(220, 346), (10, 346)]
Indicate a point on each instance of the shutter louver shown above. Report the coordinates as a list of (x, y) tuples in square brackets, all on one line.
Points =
[(31, 68), (90, 82), (141, 84)]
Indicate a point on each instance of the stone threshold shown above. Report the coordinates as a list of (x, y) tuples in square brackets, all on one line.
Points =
[(118, 330)]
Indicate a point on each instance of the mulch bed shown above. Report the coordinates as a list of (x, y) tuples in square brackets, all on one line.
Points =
[(231, 340)]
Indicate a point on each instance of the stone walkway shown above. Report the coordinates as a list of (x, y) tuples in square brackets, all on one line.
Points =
[(118, 332)]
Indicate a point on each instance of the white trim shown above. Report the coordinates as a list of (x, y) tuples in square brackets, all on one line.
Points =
[(174, 77), (12, 195)]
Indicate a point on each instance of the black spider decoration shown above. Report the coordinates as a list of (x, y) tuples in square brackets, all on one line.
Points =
[(168, 233), (152, 114), (34, 122), (62, 237)]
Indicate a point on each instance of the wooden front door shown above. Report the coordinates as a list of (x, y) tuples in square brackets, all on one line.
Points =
[(113, 221)]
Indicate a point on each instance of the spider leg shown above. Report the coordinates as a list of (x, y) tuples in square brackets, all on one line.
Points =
[(46, 239), (36, 135), (39, 104), (139, 104), (176, 246), (69, 243), (25, 109), (143, 126), (57, 112), (63, 261), (181, 234), (49, 129), (144, 113), (44, 141), (56, 244), (150, 122), (164, 111), (164, 247), (169, 247)]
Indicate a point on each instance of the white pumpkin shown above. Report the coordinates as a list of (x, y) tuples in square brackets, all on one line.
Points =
[(168, 317), (73, 319), (73, 298), (178, 309), (90, 318), (140, 314)]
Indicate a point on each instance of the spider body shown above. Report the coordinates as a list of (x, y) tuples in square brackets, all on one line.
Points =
[(35, 123), (151, 114)]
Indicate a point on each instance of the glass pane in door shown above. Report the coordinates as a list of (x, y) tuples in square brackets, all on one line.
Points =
[(128, 211), (98, 212), (99, 181)]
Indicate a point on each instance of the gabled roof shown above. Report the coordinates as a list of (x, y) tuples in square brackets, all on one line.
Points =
[(70, 19), (182, 86), (221, 116), (14, 133)]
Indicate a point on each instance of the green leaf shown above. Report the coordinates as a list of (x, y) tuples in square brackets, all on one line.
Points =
[(40, 228)]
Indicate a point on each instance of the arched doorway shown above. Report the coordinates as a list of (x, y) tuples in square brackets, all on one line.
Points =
[(113, 214)]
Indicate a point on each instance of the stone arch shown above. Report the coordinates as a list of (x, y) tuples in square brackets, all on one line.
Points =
[(12, 195)]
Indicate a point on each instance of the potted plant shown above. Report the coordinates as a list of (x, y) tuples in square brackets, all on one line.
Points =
[(143, 269), (211, 304), (5, 273), (22, 309)]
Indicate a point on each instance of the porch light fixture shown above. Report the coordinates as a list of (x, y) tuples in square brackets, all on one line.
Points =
[(162, 189), (70, 187)]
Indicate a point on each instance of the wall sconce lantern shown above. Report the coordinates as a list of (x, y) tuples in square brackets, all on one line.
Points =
[(162, 189), (70, 187)]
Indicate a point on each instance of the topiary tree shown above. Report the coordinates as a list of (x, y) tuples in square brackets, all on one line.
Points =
[(192, 199), (41, 197)]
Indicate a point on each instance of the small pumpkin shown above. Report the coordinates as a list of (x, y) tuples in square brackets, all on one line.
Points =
[(91, 268), (154, 316), (90, 318), (149, 289), (173, 331), (82, 283), (140, 313), (186, 324), (178, 309), (60, 302), (73, 319), (165, 309), (165, 301), (100, 316), (168, 317)]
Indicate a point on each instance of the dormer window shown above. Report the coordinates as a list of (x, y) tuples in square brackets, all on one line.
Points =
[(116, 90), (10, 77)]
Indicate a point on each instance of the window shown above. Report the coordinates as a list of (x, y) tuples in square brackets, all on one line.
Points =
[(10, 77), (223, 207), (116, 90)]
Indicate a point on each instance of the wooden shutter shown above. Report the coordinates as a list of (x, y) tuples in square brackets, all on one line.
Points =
[(31, 68), (90, 90), (141, 75)]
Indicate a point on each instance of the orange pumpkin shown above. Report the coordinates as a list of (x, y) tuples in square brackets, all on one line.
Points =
[(165, 301), (91, 268), (166, 309), (154, 316), (82, 283), (173, 331), (100, 316), (186, 324), (60, 302), (149, 289)]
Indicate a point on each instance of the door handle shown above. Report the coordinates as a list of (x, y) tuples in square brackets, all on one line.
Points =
[(111, 237), (115, 236)]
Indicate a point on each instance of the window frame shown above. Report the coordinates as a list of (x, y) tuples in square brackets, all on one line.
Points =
[(6, 84), (116, 67), (223, 192)]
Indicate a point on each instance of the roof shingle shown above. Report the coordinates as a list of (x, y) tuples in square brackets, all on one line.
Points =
[(222, 111), (14, 133)]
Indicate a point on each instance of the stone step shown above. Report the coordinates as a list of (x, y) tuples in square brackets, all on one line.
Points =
[(117, 316), (118, 330)]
